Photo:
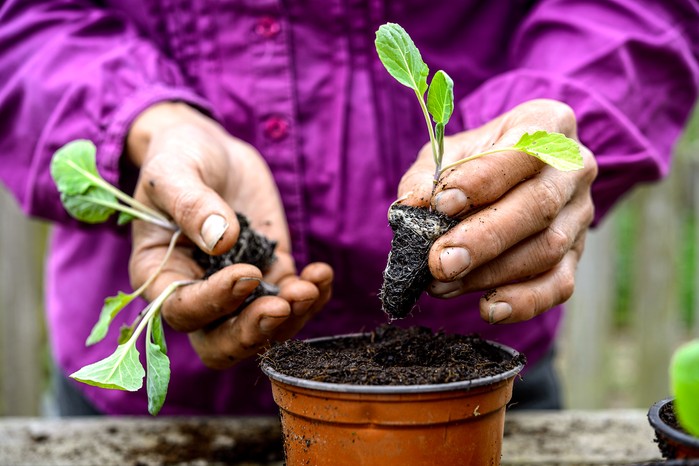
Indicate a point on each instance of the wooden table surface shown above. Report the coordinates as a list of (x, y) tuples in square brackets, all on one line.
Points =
[(531, 438)]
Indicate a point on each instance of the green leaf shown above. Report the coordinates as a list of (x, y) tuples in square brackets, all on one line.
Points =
[(124, 218), (401, 58), (90, 207), (158, 373), (69, 165), (125, 332), (439, 135), (440, 97), (554, 149), (112, 306), (120, 371), (684, 380), (159, 333)]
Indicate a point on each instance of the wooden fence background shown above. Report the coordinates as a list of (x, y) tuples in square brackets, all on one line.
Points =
[(604, 363), (607, 364), (23, 357)]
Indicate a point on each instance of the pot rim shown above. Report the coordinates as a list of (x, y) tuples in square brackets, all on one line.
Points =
[(657, 423), (392, 389)]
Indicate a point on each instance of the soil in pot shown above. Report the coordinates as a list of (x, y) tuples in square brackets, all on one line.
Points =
[(392, 356), (673, 441)]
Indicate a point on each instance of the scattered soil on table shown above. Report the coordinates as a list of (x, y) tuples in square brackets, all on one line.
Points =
[(392, 356), (204, 444), (407, 274)]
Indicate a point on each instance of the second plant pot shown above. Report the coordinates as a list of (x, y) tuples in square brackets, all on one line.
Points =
[(343, 424), (672, 442)]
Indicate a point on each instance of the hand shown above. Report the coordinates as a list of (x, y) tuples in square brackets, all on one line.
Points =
[(196, 173), (523, 222)]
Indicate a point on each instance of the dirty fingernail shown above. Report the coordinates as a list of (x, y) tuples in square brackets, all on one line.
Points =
[(454, 261), (450, 201), (268, 324), (245, 285), (403, 197), (497, 312), (444, 288), (212, 230), (299, 308)]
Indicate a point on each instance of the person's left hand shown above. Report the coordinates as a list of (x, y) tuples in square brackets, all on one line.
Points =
[(198, 175), (523, 222)]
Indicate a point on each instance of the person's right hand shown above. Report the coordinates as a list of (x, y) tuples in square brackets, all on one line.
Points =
[(199, 175)]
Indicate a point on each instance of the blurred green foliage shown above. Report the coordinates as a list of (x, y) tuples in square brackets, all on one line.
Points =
[(626, 220)]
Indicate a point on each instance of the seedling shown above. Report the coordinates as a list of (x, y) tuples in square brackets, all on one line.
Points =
[(684, 381), (403, 61), (406, 274), (91, 199)]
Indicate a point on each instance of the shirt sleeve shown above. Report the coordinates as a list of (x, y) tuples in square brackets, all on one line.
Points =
[(628, 68), (71, 69)]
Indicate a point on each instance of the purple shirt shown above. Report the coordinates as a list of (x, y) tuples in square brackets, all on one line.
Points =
[(303, 85)]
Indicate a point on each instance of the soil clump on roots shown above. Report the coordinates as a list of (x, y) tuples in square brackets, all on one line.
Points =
[(392, 356), (415, 229), (251, 248)]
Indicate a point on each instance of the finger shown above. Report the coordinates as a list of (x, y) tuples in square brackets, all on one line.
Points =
[(416, 185), (282, 268), (321, 275), (482, 181), (314, 284), (197, 305), (522, 212), (547, 114), (149, 249), (525, 300), (198, 210), (300, 294), (307, 295), (181, 176), (242, 336), (266, 319), (532, 256), (470, 186)]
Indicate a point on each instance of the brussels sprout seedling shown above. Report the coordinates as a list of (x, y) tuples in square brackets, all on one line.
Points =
[(91, 199)]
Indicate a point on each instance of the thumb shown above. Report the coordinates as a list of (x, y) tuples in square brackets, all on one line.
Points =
[(177, 188), (416, 185)]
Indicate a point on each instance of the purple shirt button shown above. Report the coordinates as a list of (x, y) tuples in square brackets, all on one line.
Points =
[(267, 27), (276, 128)]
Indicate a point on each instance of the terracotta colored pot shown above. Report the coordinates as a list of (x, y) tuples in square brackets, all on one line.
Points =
[(672, 442), (459, 423)]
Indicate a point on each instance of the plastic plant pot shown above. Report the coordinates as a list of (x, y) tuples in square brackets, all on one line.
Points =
[(340, 424), (673, 443)]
